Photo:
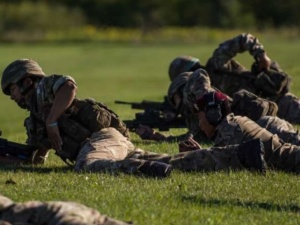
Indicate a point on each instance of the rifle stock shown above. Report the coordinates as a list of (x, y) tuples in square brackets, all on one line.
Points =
[(9, 149), (142, 105), (153, 119), (149, 105)]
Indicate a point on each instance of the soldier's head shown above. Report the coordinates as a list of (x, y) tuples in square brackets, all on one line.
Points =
[(211, 108), (19, 77), (175, 91), (197, 85), (183, 64)]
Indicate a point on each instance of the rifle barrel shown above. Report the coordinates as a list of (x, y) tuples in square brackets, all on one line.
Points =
[(123, 102)]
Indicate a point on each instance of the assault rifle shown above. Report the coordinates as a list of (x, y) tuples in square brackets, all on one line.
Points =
[(154, 119), (11, 150), (153, 115), (149, 105)]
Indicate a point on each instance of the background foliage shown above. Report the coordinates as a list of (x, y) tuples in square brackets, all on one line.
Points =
[(36, 20)]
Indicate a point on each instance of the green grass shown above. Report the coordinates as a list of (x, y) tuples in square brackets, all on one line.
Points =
[(133, 72)]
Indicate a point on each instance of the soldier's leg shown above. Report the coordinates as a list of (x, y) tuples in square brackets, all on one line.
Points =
[(212, 159), (285, 156), (248, 155), (147, 155), (285, 131), (107, 151), (278, 154), (289, 108), (102, 151), (54, 212)]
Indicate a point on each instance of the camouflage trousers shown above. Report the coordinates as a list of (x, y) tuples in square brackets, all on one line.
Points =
[(51, 213), (203, 160), (278, 154), (289, 108), (284, 130), (281, 155), (110, 151)]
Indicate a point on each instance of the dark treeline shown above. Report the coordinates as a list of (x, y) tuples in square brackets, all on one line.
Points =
[(185, 13)]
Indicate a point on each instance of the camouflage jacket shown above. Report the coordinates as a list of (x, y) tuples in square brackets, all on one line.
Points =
[(51, 213), (229, 76), (78, 122)]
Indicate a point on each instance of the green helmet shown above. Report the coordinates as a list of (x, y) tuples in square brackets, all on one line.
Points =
[(177, 86), (17, 70), (197, 85), (183, 64)]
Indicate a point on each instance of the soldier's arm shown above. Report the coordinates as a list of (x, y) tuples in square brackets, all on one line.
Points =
[(62, 100), (239, 44)]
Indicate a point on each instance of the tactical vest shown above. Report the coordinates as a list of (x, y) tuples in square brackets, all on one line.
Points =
[(76, 125), (248, 104)]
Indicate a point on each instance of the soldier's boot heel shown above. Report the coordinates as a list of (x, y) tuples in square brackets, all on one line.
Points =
[(156, 169), (251, 154)]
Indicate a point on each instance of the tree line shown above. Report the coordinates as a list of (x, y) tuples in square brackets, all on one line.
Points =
[(183, 13)]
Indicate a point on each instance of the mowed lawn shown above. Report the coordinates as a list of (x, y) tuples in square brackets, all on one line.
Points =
[(133, 72)]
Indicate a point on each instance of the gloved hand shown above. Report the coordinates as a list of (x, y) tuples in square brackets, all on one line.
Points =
[(147, 133), (39, 156), (188, 145), (264, 62)]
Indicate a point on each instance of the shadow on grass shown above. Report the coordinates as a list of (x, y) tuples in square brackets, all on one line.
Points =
[(171, 141), (145, 142), (35, 169), (247, 204)]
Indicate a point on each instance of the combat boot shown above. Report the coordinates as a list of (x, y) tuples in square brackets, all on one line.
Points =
[(156, 169), (251, 155)]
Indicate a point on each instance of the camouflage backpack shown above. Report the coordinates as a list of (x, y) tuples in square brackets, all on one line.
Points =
[(248, 104), (96, 115), (272, 82)]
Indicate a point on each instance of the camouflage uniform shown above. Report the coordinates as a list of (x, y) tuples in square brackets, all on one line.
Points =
[(229, 76), (245, 104), (284, 130), (201, 160), (278, 154), (107, 149), (51, 213), (197, 85), (93, 136), (113, 152), (178, 86)]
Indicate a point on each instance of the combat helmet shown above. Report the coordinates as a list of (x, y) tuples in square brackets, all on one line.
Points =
[(18, 70), (183, 64), (177, 86), (197, 85)]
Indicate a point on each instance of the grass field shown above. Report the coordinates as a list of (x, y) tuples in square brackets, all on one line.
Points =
[(133, 72)]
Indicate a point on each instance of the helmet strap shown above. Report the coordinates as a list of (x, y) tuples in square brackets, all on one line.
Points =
[(24, 86)]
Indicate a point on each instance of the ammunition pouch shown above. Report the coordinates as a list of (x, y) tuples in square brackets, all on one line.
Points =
[(73, 134), (95, 116), (248, 104)]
